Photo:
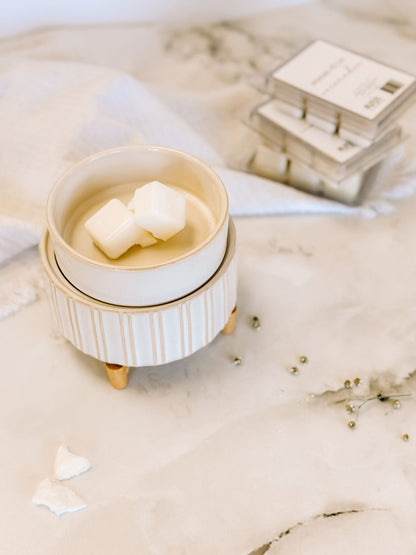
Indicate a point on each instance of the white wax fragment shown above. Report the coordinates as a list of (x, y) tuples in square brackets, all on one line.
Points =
[(67, 464), (59, 499), (304, 177), (159, 209), (269, 163), (353, 137), (144, 238), (327, 126), (289, 109), (113, 228), (346, 190)]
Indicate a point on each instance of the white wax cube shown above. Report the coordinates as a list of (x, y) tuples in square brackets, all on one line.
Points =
[(113, 228), (304, 177), (346, 190), (325, 125), (269, 163), (353, 137), (159, 209), (289, 109)]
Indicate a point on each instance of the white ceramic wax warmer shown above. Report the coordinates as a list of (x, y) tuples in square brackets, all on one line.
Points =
[(152, 305)]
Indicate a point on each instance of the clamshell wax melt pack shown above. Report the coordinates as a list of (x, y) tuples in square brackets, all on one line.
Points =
[(329, 120), (339, 89), (271, 162), (330, 155), (308, 158)]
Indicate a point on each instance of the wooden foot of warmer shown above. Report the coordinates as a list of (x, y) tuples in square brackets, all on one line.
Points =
[(230, 325), (118, 375)]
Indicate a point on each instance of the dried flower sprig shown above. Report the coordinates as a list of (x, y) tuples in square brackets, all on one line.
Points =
[(383, 398)]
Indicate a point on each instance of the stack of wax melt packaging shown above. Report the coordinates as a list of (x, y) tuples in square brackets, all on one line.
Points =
[(330, 118)]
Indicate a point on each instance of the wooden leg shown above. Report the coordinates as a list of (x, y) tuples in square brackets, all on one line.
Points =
[(118, 375), (230, 325)]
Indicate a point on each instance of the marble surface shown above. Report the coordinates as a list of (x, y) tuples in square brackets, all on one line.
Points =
[(204, 457)]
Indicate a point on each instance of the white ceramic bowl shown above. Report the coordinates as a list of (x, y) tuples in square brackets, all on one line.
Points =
[(143, 336), (141, 277)]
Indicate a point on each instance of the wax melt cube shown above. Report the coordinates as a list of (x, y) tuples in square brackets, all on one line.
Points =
[(289, 109), (113, 229), (159, 209), (321, 123), (304, 177), (269, 163), (346, 190), (353, 137)]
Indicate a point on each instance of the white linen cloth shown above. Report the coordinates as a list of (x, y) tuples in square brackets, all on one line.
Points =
[(67, 93)]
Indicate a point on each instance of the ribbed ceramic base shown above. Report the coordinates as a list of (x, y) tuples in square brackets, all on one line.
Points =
[(141, 336)]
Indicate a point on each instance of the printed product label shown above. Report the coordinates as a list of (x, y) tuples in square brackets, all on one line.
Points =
[(349, 81)]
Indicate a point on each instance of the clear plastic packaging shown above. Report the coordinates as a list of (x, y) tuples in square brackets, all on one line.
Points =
[(329, 155), (270, 162), (355, 95)]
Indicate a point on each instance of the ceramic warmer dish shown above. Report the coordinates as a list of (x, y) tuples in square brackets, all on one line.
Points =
[(140, 277), (152, 305)]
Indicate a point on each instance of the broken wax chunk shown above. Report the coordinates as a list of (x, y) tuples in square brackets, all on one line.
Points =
[(159, 209), (59, 499), (144, 238), (67, 464)]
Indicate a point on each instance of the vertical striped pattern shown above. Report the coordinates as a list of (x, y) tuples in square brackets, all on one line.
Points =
[(224, 303), (182, 330), (123, 336), (91, 327), (206, 317), (103, 338), (188, 317), (162, 338), (73, 339), (211, 307), (153, 335), (51, 292), (94, 332), (53, 296), (77, 326), (132, 341)]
